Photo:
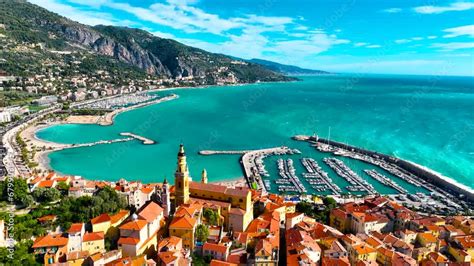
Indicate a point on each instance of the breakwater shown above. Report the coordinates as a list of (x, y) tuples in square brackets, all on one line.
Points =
[(432, 180), (144, 140)]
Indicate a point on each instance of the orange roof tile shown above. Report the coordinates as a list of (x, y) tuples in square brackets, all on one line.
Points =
[(119, 216), (46, 183), (183, 222), (167, 257), (215, 247), (326, 261), (101, 219), (95, 236), (50, 241), (75, 228), (428, 237), (77, 255), (363, 249), (151, 212), (47, 218), (134, 225), (128, 241), (221, 263), (147, 190)]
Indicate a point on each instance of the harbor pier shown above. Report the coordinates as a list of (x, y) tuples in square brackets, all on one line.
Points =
[(144, 140), (411, 172), (253, 167)]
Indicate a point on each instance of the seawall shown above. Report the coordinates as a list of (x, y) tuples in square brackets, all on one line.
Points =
[(426, 174)]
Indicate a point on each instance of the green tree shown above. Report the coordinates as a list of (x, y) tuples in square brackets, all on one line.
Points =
[(63, 186), (19, 192), (202, 233), (23, 255), (46, 195), (211, 216)]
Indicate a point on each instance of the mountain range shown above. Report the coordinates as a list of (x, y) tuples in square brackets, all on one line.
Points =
[(28, 23), (287, 69)]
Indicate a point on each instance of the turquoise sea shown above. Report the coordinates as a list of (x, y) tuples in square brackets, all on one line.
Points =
[(425, 119)]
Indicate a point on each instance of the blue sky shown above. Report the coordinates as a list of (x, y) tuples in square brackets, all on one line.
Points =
[(402, 36)]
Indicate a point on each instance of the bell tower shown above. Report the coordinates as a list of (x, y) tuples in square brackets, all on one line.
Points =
[(204, 176), (181, 181), (165, 198)]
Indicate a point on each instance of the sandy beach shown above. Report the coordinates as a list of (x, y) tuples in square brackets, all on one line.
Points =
[(41, 147), (83, 119)]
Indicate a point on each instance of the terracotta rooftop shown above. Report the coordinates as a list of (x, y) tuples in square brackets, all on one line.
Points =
[(46, 183), (221, 263), (167, 257), (238, 192), (134, 225), (75, 228), (151, 212), (101, 219), (47, 218), (129, 241), (215, 247), (77, 255), (122, 214), (50, 241), (93, 236), (363, 249), (170, 243), (183, 222)]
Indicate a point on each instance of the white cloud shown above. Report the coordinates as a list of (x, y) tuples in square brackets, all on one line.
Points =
[(459, 6), (401, 41), (84, 17), (360, 44), (417, 38), (244, 36), (163, 34), (392, 10), (467, 30), (373, 46), (453, 46), (432, 37)]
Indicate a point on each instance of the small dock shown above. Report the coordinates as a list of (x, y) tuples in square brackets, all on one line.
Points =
[(318, 178), (144, 140), (385, 180), (355, 181)]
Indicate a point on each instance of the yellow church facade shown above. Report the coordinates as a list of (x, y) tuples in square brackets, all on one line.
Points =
[(237, 216)]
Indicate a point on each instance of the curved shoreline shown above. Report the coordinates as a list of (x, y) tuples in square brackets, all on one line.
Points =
[(46, 147)]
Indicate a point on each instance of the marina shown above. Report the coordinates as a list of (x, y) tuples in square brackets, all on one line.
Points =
[(438, 188), (288, 172), (318, 178), (385, 180), (357, 184), (254, 168)]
